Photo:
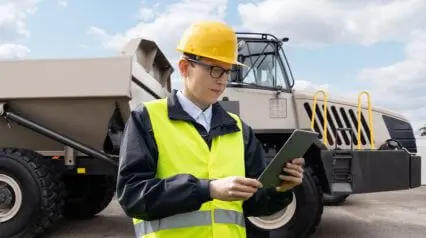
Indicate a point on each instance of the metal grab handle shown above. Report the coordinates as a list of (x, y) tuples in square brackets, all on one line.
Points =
[(325, 114), (370, 120)]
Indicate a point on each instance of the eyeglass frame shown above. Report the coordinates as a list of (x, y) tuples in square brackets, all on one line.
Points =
[(211, 68)]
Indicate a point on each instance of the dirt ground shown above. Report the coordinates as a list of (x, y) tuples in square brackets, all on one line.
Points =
[(380, 215)]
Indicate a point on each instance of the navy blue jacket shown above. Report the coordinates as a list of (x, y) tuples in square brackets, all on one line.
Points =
[(143, 196)]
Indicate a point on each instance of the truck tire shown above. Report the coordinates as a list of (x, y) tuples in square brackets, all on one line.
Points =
[(330, 200), (30, 193), (87, 195), (300, 218)]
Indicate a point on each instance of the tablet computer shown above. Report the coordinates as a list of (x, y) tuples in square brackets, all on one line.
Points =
[(295, 147)]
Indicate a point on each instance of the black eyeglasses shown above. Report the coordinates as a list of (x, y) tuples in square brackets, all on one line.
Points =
[(215, 71)]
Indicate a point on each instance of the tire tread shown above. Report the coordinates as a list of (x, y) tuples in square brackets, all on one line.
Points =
[(50, 184)]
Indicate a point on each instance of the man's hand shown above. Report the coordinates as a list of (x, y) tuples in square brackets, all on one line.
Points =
[(233, 188), (294, 177)]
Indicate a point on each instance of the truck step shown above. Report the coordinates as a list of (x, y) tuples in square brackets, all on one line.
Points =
[(341, 188), (341, 173)]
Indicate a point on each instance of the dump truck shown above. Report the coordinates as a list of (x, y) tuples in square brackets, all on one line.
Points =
[(62, 122)]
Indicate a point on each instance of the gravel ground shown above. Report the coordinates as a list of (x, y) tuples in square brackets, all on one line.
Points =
[(380, 215)]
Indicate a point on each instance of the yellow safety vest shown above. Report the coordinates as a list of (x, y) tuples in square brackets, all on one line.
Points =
[(182, 150)]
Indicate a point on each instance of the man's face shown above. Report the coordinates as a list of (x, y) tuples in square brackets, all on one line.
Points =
[(205, 80)]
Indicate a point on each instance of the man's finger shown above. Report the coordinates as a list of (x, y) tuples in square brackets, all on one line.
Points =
[(299, 161), (294, 167), (240, 195), (250, 182), (293, 172), (243, 188), (291, 179), (282, 188)]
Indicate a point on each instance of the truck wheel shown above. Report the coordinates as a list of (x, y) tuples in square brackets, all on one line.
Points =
[(30, 194), (300, 217), (87, 195), (330, 200)]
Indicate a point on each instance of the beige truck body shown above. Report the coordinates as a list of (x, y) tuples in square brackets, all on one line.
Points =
[(266, 111), (77, 97)]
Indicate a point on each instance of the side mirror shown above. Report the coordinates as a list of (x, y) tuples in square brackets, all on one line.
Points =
[(236, 74)]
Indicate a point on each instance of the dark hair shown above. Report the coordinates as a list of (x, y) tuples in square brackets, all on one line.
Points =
[(192, 56)]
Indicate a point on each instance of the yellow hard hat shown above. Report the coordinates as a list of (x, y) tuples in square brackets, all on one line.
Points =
[(210, 39)]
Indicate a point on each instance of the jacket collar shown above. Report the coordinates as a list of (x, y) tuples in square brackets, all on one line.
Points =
[(219, 116)]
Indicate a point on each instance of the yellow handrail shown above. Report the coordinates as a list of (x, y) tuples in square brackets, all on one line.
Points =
[(325, 114), (370, 120)]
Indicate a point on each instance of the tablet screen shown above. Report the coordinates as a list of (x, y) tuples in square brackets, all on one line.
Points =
[(295, 147)]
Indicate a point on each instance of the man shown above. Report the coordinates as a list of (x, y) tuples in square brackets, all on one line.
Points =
[(188, 167)]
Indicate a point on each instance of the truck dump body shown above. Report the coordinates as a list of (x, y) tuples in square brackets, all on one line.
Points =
[(61, 122), (77, 97)]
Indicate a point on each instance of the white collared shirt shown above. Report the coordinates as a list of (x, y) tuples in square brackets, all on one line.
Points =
[(202, 117)]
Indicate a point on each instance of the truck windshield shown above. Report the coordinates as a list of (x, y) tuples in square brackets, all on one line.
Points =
[(265, 69)]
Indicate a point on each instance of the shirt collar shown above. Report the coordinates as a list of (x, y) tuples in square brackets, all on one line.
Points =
[(220, 117), (192, 109)]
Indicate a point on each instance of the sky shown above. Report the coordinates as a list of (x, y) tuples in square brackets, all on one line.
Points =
[(344, 47)]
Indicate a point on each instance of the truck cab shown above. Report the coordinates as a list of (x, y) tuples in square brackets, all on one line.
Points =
[(356, 140)]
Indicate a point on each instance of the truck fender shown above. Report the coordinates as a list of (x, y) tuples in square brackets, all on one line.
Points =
[(314, 161)]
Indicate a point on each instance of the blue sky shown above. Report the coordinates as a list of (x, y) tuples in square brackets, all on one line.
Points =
[(58, 31), (332, 43), (67, 27)]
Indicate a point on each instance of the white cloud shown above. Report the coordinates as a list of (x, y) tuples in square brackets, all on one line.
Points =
[(402, 86), (313, 22), (306, 85), (167, 26), (98, 33), (13, 51), (310, 23), (63, 3), (13, 28), (146, 14)]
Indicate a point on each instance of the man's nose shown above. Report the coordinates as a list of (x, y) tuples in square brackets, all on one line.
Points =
[(222, 80)]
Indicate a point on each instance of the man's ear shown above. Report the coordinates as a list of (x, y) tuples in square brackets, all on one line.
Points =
[(183, 67)]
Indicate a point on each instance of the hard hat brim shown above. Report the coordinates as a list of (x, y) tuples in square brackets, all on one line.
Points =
[(240, 64), (212, 57)]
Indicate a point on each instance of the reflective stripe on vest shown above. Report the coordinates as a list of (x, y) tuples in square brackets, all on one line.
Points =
[(182, 150), (192, 219)]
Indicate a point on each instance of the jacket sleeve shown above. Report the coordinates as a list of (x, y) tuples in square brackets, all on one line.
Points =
[(139, 193), (265, 201)]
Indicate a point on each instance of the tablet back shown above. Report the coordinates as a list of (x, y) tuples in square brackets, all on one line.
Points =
[(296, 146)]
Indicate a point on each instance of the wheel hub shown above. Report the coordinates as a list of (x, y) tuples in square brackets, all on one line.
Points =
[(10, 198), (5, 195), (276, 220)]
